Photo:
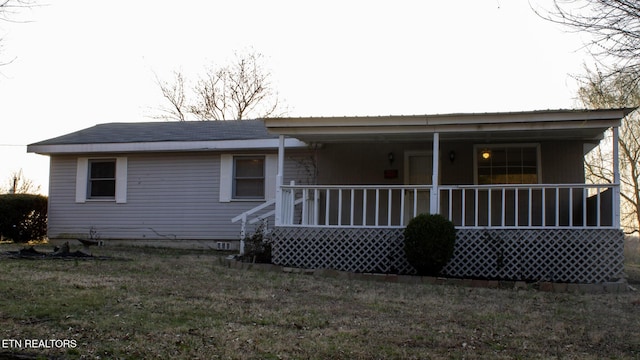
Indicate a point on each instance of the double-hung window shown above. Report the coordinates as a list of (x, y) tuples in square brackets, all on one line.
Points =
[(507, 164), (102, 179), (249, 177)]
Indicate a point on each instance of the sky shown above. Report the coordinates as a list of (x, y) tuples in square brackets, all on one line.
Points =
[(77, 63)]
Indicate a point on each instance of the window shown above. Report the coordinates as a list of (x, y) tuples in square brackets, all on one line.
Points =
[(248, 177), (237, 182), (507, 164), (102, 179)]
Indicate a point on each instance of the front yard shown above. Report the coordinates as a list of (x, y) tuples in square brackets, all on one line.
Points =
[(155, 303)]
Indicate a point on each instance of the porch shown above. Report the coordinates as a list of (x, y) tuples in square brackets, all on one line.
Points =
[(510, 225), (561, 233)]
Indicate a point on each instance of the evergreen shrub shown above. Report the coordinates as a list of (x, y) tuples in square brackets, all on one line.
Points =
[(429, 242)]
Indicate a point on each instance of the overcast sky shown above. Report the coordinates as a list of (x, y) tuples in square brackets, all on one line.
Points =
[(77, 63)]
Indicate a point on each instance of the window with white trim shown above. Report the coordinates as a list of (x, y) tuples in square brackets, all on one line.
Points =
[(236, 186), (248, 177), (507, 164), (101, 179)]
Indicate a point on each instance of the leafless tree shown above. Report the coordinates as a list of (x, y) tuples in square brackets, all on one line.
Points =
[(9, 9), (614, 26), (19, 184), (601, 91), (173, 92), (239, 91)]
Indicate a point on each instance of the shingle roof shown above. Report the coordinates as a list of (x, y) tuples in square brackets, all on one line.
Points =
[(143, 132)]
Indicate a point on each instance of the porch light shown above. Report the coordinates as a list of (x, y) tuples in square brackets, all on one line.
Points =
[(391, 158), (486, 154), (452, 156)]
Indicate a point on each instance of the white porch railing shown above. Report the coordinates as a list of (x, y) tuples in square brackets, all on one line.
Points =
[(473, 206), (530, 206), (353, 205)]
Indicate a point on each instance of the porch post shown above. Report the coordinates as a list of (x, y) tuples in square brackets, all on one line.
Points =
[(435, 193), (279, 181), (616, 178)]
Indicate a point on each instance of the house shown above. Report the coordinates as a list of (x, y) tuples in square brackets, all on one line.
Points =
[(160, 183), (339, 190)]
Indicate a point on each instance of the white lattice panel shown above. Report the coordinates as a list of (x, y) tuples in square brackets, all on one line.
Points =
[(560, 255), (346, 249), (578, 256)]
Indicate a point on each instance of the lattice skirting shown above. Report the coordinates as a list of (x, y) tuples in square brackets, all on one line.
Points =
[(562, 255)]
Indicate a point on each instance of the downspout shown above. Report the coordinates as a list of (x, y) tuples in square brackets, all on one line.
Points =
[(434, 207), (616, 178)]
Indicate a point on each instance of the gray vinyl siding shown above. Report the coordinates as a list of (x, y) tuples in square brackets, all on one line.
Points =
[(169, 196)]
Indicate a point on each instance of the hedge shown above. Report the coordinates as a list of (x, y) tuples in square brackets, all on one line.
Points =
[(23, 217)]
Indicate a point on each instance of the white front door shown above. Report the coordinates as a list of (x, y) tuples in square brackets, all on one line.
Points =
[(418, 167)]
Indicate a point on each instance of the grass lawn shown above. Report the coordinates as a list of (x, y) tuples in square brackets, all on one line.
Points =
[(155, 303)]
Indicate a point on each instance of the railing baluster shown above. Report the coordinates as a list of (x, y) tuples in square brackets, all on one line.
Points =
[(544, 207), (401, 207), (516, 203), (415, 202), (584, 207), (450, 206), (316, 206), (598, 206), (340, 207), (304, 218), (557, 206), (326, 207), (389, 208), (352, 206), (489, 205), (504, 212), (571, 207), (364, 207), (377, 206)]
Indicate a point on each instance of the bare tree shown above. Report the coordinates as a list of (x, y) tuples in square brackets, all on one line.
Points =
[(601, 91), (615, 29), (239, 91), (19, 184), (9, 9), (173, 92)]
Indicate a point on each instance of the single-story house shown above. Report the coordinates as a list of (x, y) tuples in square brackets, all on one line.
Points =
[(338, 191)]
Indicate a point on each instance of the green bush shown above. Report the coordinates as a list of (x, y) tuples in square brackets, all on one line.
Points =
[(23, 217), (429, 242)]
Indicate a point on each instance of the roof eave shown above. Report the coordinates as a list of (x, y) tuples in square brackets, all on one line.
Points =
[(164, 146)]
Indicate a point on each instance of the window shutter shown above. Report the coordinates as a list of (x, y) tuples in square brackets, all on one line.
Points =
[(82, 170), (271, 171), (121, 180), (226, 177)]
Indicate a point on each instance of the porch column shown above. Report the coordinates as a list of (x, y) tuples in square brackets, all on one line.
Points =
[(434, 207), (616, 178), (279, 181)]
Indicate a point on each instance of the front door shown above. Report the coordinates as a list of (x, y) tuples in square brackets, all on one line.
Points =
[(418, 167)]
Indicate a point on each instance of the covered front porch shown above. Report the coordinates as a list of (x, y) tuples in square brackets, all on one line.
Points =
[(512, 183)]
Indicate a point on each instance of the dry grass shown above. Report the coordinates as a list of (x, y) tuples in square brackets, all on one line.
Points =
[(182, 304)]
